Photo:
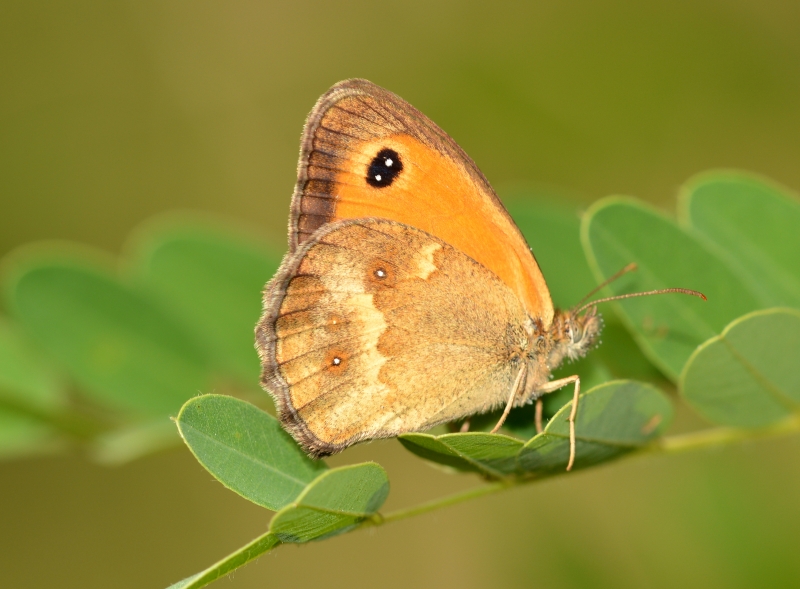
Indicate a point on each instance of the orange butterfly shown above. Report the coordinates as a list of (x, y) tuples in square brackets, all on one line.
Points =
[(408, 297)]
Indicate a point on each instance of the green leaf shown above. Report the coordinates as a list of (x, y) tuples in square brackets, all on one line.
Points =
[(23, 435), (337, 501), (246, 450), (753, 224), (613, 419), (491, 455), (25, 378), (29, 391), (747, 376), (34, 415), (212, 278), (617, 231), (228, 564), (117, 344)]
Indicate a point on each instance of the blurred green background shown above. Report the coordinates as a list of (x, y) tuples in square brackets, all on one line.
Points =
[(113, 112)]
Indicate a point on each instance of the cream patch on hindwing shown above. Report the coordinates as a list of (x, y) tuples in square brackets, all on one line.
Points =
[(360, 381), (425, 264)]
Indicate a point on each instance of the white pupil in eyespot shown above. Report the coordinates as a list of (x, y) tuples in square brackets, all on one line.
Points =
[(389, 162), (378, 177), (380, 273), (337, 361)]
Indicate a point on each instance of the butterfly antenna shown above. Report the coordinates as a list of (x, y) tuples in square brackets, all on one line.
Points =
[(629, 268), (687, 291)]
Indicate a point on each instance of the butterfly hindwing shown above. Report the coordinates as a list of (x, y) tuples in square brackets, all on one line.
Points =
[(372, 328)]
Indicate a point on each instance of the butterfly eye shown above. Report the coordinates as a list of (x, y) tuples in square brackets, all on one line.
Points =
[(384, 168)]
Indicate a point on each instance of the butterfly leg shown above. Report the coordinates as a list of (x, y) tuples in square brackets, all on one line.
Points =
[(464, 426), (538, 415), (518, 385), (559, 384)]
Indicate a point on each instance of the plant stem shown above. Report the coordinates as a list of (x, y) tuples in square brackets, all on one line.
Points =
[(708, 438), (472, 493), (721, 436), (674, 444)]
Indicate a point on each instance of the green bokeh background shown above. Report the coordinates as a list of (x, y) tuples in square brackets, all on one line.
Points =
[(113, 112)]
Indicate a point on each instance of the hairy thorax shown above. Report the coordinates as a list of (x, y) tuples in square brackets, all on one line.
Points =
[(570, 337)]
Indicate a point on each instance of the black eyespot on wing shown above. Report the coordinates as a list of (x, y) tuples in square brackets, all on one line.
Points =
[(384, 168)]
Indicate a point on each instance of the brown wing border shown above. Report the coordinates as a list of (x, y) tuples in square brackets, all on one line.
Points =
[(266, 343)]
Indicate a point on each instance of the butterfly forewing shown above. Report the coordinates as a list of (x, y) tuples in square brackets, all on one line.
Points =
[(373, 328), (368, 153)]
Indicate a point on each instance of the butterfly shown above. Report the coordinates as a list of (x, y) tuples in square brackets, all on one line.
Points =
[(408, 297)]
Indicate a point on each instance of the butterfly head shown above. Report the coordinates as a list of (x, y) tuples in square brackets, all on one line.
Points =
[(576, 331), (573, 335)]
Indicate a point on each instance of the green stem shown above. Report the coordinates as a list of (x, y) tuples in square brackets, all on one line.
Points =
[(708, 438), (721, 436), (472, 493), (674, 444)]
